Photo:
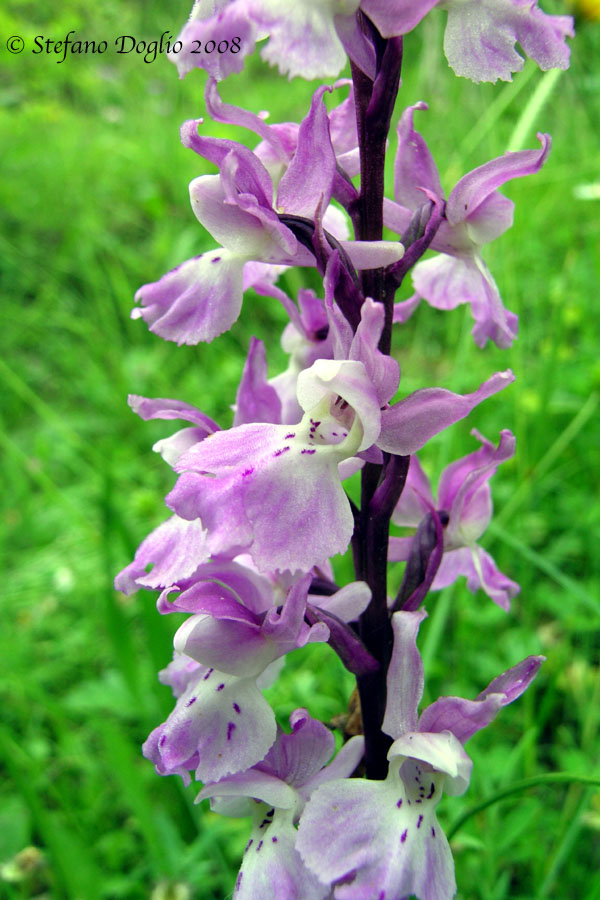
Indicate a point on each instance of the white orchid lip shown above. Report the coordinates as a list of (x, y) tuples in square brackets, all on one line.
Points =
[(443, 752), (326, 383), (331, 426)]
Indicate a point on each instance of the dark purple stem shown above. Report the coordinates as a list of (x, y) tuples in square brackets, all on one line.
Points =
[(375, 102), (380, 487), (375, 626)]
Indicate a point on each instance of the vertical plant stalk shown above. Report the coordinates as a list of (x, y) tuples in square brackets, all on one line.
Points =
[(375, 625), (375, 101), (380, 486)]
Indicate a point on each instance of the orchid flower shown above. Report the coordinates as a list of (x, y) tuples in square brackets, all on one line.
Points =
[(312, 40), (374, 839), (221, 722), (276, 790), (239, 482), (202, 297), (228, 649), (480, 37), (464, 494), (279, 141), (476, 213)]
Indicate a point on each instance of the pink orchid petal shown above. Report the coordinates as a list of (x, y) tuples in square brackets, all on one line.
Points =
[(161, 408), (474, 188), (414, 168), (480, 37), (496, 585), (410, 423), (229, 21), (174, 550), (464, 718), (256, 400), (364, 837), (197, 301), (206, 722), (416, 499), (309, 177)]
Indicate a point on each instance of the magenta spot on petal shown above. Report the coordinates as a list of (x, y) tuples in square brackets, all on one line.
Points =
[(260, 843), (290, 435), (381, 896), (248, 845), (274, 839), (280, 451), (238, 881), (220, 687), (248, 471), (419, 820), (191, 700), (403, 835), (230, 730), (432, 831), (431, 791), (208, 674), (399, 803), (237, 708), (162, 741), (216, 259), (310, 452)]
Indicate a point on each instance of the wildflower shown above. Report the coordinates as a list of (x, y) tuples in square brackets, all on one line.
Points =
[(464, 495), (274, 792), (239, 482), (374, 839), (476, 213), (480, 37)]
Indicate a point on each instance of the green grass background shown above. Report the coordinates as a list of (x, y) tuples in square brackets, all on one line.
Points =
[(94, 203)]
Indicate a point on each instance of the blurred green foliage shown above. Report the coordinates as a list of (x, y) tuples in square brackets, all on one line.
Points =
[(94, 203)]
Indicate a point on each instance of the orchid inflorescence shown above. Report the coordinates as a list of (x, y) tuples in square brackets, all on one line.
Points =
[(259, 509)]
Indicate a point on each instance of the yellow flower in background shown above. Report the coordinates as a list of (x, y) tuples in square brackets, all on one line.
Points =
[(588, 9)]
